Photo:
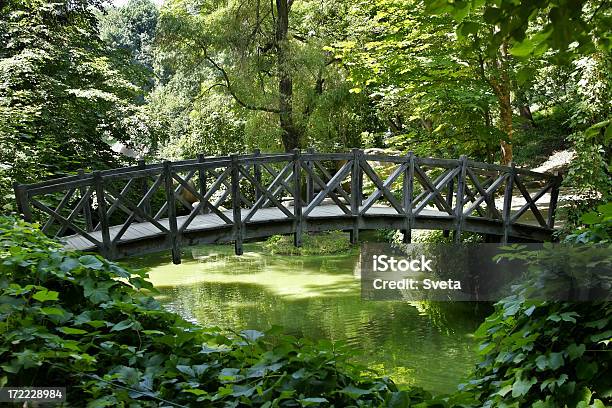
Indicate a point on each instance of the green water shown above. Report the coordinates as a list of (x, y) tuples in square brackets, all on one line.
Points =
[(424, 344)]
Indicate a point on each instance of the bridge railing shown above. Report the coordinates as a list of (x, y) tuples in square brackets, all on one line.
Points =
[(105, 208)]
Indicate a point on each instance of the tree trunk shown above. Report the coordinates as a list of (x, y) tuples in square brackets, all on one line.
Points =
[(505, 113), (290, 133), (501, 87)]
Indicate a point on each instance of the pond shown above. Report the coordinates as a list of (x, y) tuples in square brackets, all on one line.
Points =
[(418, 343)]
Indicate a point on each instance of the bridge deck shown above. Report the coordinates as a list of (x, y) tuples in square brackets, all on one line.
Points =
[(212, 223)]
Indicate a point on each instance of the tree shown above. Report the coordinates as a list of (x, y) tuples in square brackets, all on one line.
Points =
[(266, 56), (64, 97), (430, 88), (564, 30), (131, 28)]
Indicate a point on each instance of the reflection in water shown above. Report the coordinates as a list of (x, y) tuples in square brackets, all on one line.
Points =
[(424, 344)]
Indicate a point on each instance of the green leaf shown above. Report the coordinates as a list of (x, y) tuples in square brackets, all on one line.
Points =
[(354, 392), (523, 48), (251, 335), (521, 387), (46, 295), (460, 10), (574, 351), (306, 402), (186, 370), (586, 370), (52, 311), (590, 218), (91, 262), (71, 330), (122, 325), (555, 360), (69, 264)]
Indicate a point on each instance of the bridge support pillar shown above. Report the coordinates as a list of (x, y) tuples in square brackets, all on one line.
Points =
[(407, 201), (356, 194), (297, 198), (236, 211), (508, 203), (170, 197)]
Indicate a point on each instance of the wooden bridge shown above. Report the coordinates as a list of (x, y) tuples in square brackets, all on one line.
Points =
[(152, 207)]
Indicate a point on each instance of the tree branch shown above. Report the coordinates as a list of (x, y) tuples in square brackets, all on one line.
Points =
[(231, 91)]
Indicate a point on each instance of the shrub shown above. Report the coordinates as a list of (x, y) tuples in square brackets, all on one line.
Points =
[(324, 243), (547, 354), (80, 321)]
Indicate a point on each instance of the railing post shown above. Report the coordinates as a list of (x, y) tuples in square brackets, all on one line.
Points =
[(554, 198), (257, 173), (297, 197), (202, 182), (107, 246), (86, 204), (407, 191), (174, 235), (355, 195), (460, 199), (237, 214), (449, 200), (508, 202), (146, 205), (309, 180), (23, 202)]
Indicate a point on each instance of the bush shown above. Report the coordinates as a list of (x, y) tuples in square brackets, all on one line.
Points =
[(80, 321), (546, 354), (324, 243)]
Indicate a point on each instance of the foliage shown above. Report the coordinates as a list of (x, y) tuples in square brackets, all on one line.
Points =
[(544, 353), (240, 69), (77, 320), (323, 243), (431, 94), (131, 28), (597, 226), (64, 96), (572, 27)]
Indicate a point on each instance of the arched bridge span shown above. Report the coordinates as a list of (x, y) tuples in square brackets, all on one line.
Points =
[(152, 207)]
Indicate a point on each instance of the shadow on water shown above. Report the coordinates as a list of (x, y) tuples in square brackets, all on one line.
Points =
[(428, 344)]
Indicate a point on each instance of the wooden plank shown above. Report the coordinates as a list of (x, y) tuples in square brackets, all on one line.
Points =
[(309, 180), (328, 176), (87, 206), (445, 163), (382, 188), (487, 195), (439, 201), (65, 199), (531, 203), (23, 204), (266, 193), (338, 177), (435, 191)]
